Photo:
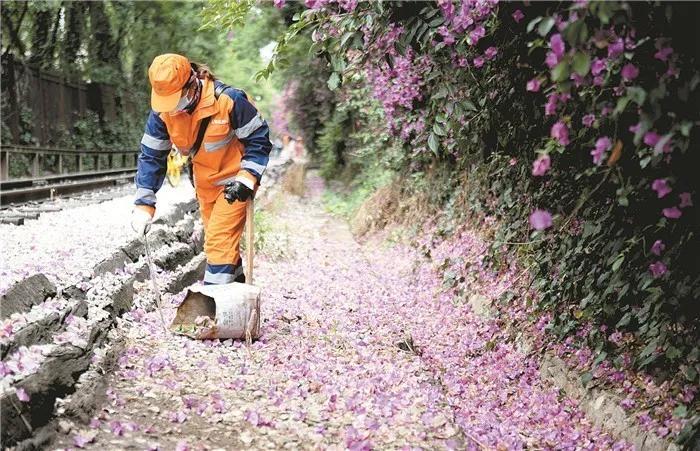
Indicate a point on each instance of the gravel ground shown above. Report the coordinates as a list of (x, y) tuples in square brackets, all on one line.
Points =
[(66, 245), (358, 351)]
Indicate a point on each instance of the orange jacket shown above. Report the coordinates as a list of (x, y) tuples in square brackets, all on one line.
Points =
[(236, 144)]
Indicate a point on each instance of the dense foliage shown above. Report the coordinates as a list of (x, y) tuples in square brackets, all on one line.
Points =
[(111, 43), (569, 125)]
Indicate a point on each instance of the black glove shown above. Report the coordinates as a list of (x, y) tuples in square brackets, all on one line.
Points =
[(237, 191)]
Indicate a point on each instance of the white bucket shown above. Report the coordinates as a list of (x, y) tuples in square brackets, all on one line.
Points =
[(224, 311)]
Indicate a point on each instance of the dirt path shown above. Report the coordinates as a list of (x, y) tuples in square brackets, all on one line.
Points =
[(357, 352)]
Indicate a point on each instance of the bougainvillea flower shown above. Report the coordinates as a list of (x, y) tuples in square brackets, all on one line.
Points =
[(518, 16), (661, 187), (663, 53), (550, 108), (556, 43), (447, 36), (560, 132), (657, 269), (597, 66), (630, 72), (491, 52), (602, 145), (478, 33), (541, 165), (540, 219), (22, 394), (588, 120), (672, 213), (616, 48), (651, 138), (686, 200), (658, 247), (533, 85), (80, 440)]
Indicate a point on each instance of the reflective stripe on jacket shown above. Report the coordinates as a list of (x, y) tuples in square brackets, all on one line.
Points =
[(236, 144)]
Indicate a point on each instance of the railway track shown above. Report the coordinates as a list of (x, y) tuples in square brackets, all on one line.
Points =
[(19, 191)]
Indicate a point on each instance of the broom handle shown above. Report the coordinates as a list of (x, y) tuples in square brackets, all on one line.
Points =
[(249, 211)]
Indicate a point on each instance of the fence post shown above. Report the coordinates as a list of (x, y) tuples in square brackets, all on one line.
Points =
[(36, 165), (4, 164)]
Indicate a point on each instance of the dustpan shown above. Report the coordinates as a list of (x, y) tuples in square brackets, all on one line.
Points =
[(223, 311)]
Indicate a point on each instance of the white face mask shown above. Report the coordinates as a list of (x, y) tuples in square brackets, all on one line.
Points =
[(185, 100), (182, 104)]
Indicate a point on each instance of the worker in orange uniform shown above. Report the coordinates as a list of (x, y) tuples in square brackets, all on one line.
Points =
[(190, 105)]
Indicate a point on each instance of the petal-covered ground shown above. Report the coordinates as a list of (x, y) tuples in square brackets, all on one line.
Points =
[(359, 350), (66, 245)]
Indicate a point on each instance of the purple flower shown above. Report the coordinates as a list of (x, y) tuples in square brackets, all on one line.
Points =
[(597, 66), (518, 16), (658, 247), (117, 428), (447, 36), (616, 48), (602, 144), (651, 138), (541, 165), (551, 60), (478, 61), (491, 52), (663, 53), (478, 33), (540, 219), (686, 201), (348, 5), (657, 269), (550, 108), (81, 440), (556, 43), (627, 403), (22, 394), (661, 187), (672, 213), (533, 85), (588, 120), (630, 72), (560, 132)]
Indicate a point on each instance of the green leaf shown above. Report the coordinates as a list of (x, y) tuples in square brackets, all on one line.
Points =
[(625, 320), (680, 411), (637, 94), (560, 71), (545, 26), (586, 378), (531, 25), (469, 105), (433, 143), (438, 130), (621, 105), (333, 81), (618, 262), (582, 63)]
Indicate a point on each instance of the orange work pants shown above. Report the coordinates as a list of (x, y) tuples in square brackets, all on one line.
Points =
[(223, 228)]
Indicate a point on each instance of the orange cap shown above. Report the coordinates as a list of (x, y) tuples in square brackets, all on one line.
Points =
[(168, 75)]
